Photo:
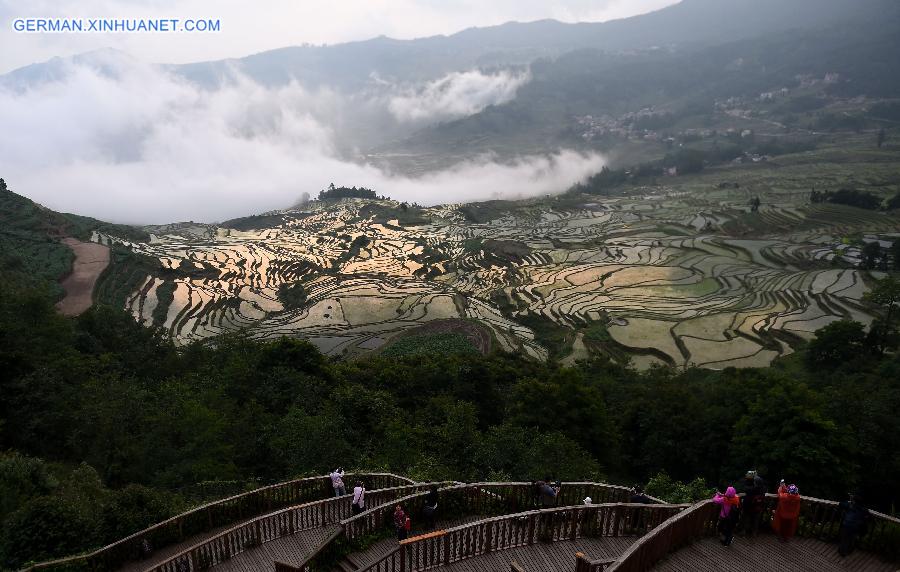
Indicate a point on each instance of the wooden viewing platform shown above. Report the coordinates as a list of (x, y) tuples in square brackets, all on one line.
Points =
[(284, 534), (482, 527)]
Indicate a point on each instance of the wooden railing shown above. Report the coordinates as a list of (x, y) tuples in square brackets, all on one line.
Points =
[(273, 526), (680, 530), (211, 516), (819, 519), (522, 529), (490, 499)]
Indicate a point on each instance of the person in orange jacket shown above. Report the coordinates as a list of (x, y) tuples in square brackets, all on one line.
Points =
[(787, 515)]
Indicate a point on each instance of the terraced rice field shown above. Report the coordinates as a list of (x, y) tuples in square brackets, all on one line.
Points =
[(677, 278)]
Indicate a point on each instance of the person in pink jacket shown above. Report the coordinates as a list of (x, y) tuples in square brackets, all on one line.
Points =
[(729, 512)]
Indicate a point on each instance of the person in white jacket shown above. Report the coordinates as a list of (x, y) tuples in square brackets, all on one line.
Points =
[(359, 498), (337, 482)]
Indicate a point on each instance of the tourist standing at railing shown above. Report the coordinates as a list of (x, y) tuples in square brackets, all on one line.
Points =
[(337, 482), (729, 511), (787, 515), (638, 496), (429, 510), (359, 498), (853, 523), (547, 493), (754, 502), (400, 520)]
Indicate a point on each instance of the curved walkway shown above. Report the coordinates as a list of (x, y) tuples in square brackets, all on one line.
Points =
[(545, 538), (290, 535), (555, 557), (765, 553), (292, 549)]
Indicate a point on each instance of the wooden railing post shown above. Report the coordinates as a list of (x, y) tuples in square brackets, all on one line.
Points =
[(581, 563)]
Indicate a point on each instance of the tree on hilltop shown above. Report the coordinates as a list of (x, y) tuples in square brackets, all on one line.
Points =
[(885, 293), (837, 343)]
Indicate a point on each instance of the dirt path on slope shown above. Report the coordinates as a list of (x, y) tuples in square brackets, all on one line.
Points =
[(91, 259)]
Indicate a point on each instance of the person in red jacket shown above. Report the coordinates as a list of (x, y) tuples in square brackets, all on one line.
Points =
[(400, 519), (787, 515)]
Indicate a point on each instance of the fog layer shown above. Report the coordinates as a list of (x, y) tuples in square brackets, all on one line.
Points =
[(141, 146)]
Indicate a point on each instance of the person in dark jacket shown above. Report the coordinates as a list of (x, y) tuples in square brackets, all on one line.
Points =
[(753, 504), (853, 524), (547, 493), (429, 510), (638, 496)]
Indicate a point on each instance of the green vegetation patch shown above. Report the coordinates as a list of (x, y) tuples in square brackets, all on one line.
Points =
[(483, 212), (255, 222), (430, 345), (405, 214), (597, 333), (165, 293), (293, 296), (557, 339)]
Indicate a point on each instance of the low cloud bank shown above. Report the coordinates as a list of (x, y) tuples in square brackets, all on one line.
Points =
[(457, 94), (145, 147)]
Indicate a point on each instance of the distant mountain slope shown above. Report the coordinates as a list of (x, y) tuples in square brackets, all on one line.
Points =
[(691, 22), (584, 82), (350, 66)]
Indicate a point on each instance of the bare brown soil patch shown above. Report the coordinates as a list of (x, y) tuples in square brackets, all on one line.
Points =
[(91, 260)]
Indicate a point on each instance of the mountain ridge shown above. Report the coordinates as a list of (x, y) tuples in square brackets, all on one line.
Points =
[(690, 22)]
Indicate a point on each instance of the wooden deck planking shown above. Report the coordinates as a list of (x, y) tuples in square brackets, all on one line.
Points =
[(765, 553), (292, 549), (554, 557)]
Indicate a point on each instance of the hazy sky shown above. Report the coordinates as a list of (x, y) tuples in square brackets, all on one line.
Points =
[(250, 27)]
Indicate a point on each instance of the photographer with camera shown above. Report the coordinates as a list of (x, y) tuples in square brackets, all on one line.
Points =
[(337, 482)]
